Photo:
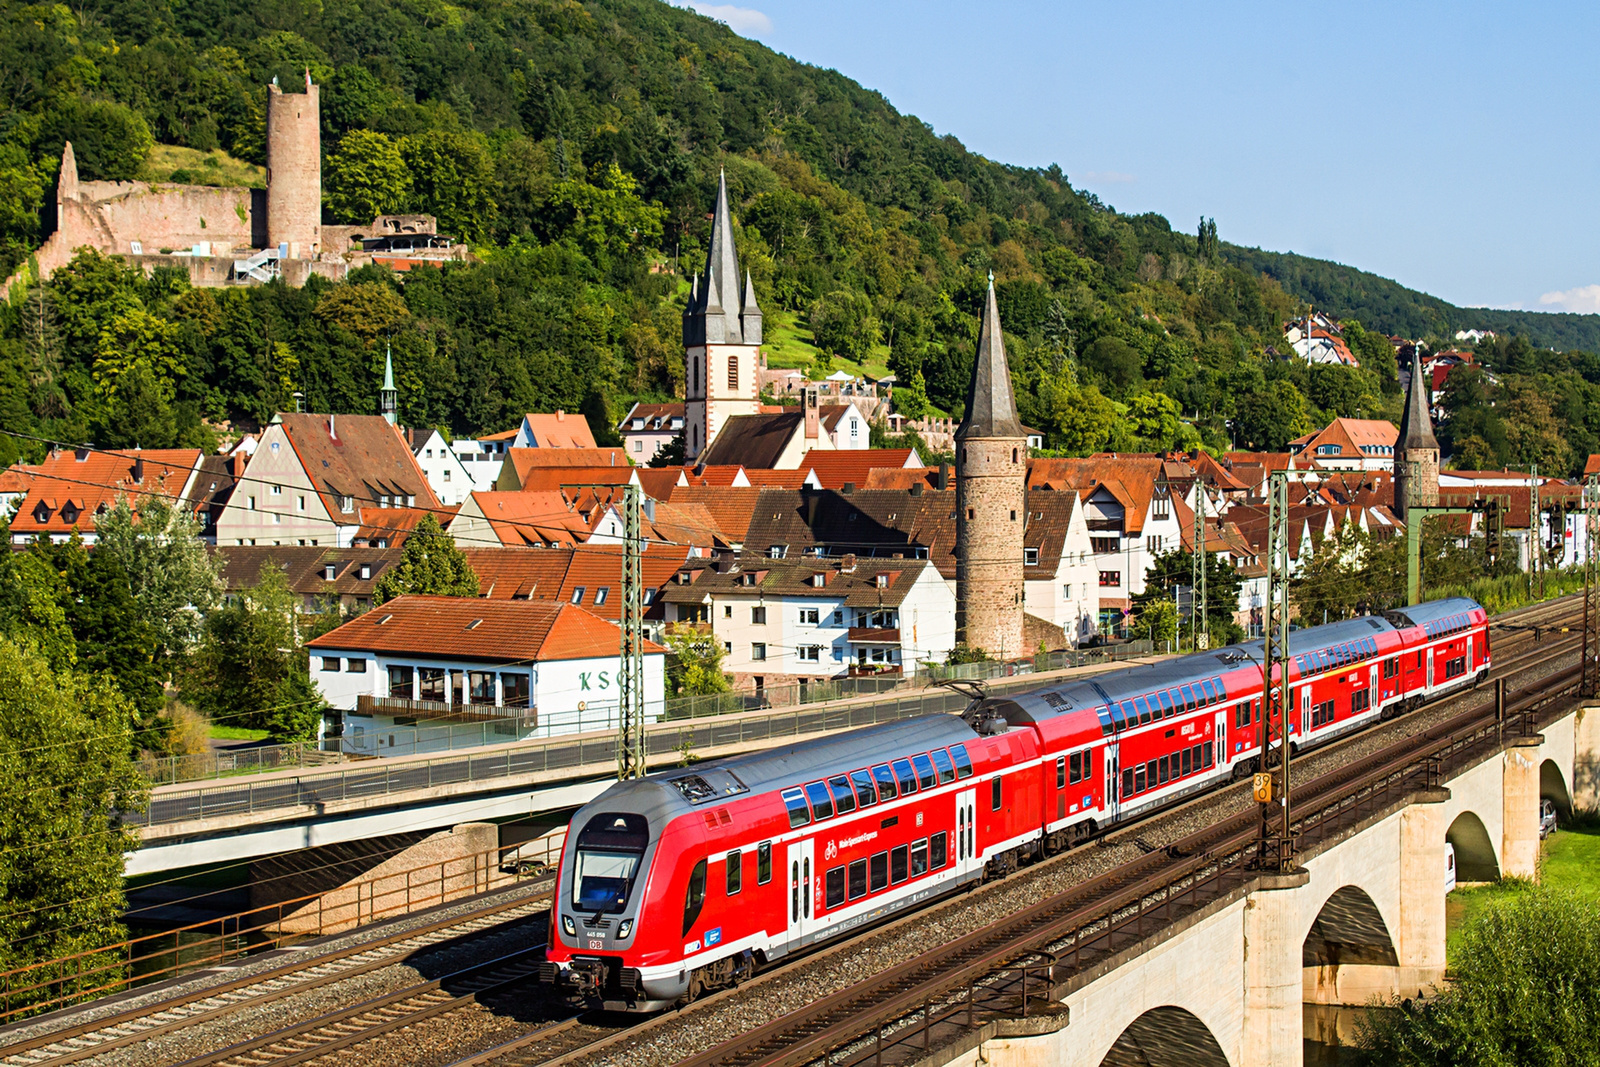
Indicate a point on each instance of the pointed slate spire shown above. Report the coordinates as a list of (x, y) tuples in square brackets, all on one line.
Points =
[(991, 406), (388, 396), (750, 313), (713, 316), (1416, 428)]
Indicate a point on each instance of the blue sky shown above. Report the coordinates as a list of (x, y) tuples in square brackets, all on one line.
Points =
[(1448, 146)]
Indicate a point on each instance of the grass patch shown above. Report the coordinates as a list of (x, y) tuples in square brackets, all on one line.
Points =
[(189, 166), (787, 343), (1569, 860), (236, 733)]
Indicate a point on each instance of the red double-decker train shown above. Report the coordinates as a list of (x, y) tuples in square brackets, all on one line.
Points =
[(691, 879)]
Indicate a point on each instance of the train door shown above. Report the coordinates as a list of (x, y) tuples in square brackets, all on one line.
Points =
[(802, 878), (1111, 783), (1305, 710), (1221, 734), (1467, 644), (966, 836), (1429, 686), (1374, 694)]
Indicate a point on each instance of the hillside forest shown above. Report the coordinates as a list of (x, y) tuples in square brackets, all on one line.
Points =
[(576, 147)]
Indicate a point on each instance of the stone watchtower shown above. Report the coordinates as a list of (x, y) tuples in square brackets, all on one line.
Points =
[(294, 171), (721, 339), (1417, 450), (991, 501)]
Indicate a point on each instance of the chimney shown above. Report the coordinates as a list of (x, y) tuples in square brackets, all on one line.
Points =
[(331, 432), (561, 416), (813, 414), (916, 489), (848, 563), (81, 454), (944, 476), (138, 470), (849, 487)]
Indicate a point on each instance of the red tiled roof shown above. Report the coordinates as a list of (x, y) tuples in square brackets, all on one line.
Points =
[(730, 508), (366, 460), (17, 477), (393, 525), (66, 491), (560, 430), (650, 413), (524, 461), (854, 465), (519, 573), (470, 628), (529, 518)]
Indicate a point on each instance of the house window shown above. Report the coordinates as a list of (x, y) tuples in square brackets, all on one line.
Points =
[(275, 448), (577, 594), (1110, 578), (1153, 543), (400, 682), (446, 474), (758, 650), (1030, 557), (330, 663), (354, 665), (601, 594), (328, 571), (758, 616), (430, 683), (252, 503), (638, 445), (515, 689), (480, 687), (1066, 591), (733, 372), (1103, 545), (777, 551), (347, 503), (277, 490), (727, 646), (810, 653), (855, 428), (1162, 507), (366, 571), (300, 503), (809, 617)]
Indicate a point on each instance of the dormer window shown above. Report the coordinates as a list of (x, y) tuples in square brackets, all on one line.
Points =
[(777, 551), (365, 572), (1030, 557), (329, 571), (347, 503), (819, 580), (41, 514), (883, 581), (69, 514)]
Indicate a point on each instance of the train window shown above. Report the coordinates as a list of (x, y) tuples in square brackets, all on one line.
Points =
[(884, 774), (1161, 767), (1077, 768), (694, 898), (1188, 765), (1061, 770), (1166, 703), (1127, 783), (919, 857), (1205, 754), (1211, 691), (898, 860), (1188, 698), (1139, 779), (866, 792), (858, 879), (938, 850), (608, 855), (835, 887), (1130, 714), (1360, 700), (1144, 710), (844, 800), (906, 776), (735, 872), (764, 863), (879, 870), (1104, 716), (947, 770), (926, 775), (821, 802), (795, 801), (994, 794), (963, 764)]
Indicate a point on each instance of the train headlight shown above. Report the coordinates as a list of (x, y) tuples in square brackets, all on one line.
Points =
[(624, 928), (569, 926)]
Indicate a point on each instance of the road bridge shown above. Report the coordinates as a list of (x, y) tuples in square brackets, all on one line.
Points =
[(1363, 916)]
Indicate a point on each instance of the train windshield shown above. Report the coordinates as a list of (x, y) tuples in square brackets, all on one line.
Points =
[(610, 850)]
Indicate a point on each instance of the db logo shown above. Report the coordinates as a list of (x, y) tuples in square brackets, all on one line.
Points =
[(919, 818), (831, 851)]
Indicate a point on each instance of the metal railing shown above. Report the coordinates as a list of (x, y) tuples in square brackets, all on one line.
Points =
[(225, 763)]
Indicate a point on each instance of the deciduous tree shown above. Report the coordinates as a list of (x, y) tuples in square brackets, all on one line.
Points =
[(430, 565)]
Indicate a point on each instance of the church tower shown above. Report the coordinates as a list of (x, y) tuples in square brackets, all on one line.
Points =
[(991, 501), (721, 338), (388, 396), (1416, 454)]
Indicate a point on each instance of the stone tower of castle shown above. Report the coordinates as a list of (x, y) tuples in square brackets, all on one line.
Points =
[(991, 501), (294, 171), (721, 339), (1417, 450)]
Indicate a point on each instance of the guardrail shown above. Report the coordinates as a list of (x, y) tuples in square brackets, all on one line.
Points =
[(224, 763)]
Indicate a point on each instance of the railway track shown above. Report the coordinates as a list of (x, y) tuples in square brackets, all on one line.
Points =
[(1019, 962), (300, 974)]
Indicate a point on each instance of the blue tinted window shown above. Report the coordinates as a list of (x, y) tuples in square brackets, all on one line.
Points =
[(963, 764), (1211, 693), (821, 802), (905, 777), (844, 798), (925, 772), (1166, 702), (1130, 713), (1144, 709), (941, 760), (1104, 715), (795, 802), (1188, 698)]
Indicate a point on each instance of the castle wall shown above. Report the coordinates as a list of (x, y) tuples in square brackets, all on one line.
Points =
[(294, 171), (111, 216)]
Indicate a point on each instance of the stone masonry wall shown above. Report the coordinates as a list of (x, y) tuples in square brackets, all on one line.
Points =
[(991, 502)]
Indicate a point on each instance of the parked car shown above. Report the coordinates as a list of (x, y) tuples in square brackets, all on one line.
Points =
[(1449, 866), (1547, 818)]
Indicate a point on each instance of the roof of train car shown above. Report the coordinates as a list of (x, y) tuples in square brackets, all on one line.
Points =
[(1434, 610), (734, 777)]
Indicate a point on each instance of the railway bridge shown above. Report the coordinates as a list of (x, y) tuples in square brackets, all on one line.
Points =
[(1227, 985)]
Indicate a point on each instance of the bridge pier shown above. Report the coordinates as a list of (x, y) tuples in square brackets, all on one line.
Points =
[(1273, 929), (1519, 832), (1420, 932), (1585, 781)]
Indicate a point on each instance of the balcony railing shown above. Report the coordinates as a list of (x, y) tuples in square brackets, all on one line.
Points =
[(439, 711), (873, 635)]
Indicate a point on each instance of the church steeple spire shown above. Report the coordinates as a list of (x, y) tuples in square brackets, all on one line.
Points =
[(1416, 428), (713, 316), (991, 405), (388, 396), (1416, 453)]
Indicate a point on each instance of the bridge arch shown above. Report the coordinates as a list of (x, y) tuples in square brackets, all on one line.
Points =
[(1348, 930), (1476, 860), (1553, 787), (1167, 1036)]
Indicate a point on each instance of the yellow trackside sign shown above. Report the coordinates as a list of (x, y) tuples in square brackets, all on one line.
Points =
[(1263, 783)]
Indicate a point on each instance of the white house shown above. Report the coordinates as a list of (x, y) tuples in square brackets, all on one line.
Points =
[(648, 428), (783, 622), (441, 465), (425, 673)]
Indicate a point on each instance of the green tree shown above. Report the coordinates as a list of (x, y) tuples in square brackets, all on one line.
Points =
[(1155, 620), (608, 219), (365, 177), (694, 661), (1271, 417), (1115, 363), (1156, 421), (67, 781), (22, 188), (110, 141), (250, 669), (452, 178), (843, 324), (430, 565), (1524, 992), (174, 579)]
